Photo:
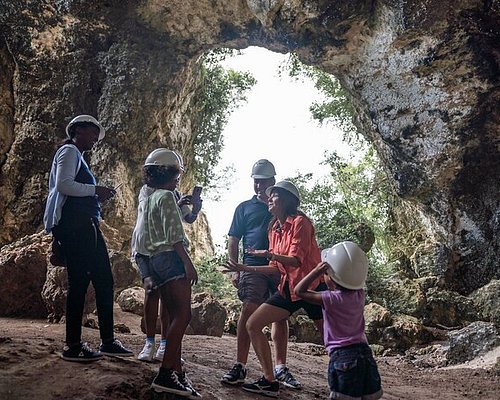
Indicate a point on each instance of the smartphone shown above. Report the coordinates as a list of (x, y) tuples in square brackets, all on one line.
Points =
[(196, 194)]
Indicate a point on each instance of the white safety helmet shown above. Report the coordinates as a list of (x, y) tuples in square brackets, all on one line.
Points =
[(165, 158), (348, 264), (263, 169), (85, 118), (286, 185)]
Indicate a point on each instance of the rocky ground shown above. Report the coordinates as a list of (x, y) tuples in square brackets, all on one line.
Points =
[(31, 369)]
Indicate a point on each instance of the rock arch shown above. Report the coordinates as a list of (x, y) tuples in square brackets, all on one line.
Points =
[(423, 77)]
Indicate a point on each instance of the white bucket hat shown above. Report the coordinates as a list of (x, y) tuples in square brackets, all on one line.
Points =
[(286, 185)]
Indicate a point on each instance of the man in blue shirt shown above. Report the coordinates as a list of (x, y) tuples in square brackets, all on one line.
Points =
[(250, 225)]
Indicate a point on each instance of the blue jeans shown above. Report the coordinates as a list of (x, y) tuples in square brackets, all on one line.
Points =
[(353, 373), (165, 267)]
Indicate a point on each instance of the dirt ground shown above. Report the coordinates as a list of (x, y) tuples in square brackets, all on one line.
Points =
[(31, 369)]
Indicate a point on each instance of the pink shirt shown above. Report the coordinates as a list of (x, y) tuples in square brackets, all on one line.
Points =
[(343, 318)]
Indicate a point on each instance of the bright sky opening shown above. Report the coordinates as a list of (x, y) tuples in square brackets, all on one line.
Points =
[(275, 124)]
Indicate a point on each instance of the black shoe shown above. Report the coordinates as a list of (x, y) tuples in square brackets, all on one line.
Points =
[(80, 353), (263, 387), (183, 379), (286, 378), (115, 348), (167, 381), (235, 375)]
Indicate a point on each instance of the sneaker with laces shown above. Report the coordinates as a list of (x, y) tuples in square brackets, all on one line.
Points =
[(160, 352), (167, 381), (235, 375), (148, 351), (263, 387), (183, 378), (80, 353), (286, 378), (115, 348)]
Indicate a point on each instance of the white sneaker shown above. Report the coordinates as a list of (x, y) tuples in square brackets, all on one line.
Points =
[(160, 352), (147, 352)]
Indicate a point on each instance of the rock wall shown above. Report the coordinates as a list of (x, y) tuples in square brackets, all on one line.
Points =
[(423, 76)]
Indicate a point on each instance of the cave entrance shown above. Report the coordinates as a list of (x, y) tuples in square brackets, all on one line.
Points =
[(274, 123)]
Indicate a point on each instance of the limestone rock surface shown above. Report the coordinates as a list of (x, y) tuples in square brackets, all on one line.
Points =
[(422, 76)]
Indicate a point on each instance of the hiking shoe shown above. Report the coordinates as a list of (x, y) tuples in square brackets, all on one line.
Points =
[(167, 381), (160, 352), (115, 348), (263, 387), (148, 351), (81, 353), (286, 378), (183, 378), (235, 375)]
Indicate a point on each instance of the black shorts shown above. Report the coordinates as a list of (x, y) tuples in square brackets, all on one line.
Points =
[(313, 311)]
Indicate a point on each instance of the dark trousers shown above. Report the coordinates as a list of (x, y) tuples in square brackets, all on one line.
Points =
[(87, 261)]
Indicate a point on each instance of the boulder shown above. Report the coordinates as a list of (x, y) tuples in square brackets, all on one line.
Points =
[(208, 316), (474, 340), (449, 308), (23, 266), (400, 295), (233, 309), (303, 329), (487, 302), (132, 300), (376, 319), (125, 272), (404, 332)]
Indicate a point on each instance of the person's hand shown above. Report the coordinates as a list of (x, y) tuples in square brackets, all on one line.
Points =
[(232, 266), (196, 206), (191, 274), (104, 193), (185, 200), (149, 286), (322, 268), (257, 253), (235, 279)]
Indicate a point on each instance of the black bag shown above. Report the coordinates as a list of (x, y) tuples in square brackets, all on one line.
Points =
[(56, 254)]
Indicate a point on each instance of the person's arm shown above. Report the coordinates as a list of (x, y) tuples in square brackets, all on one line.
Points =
[(191, 274), (289, 261), (302, 288), (232, 266), (67, 164), (233, 244)]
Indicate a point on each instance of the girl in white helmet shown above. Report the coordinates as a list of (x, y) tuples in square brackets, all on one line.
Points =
[(169, 267), (352, 370)]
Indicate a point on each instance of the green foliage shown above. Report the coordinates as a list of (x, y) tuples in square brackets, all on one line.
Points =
[(220, 93), (355, 201), (212, 280), (351, 204), (336, 109)]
